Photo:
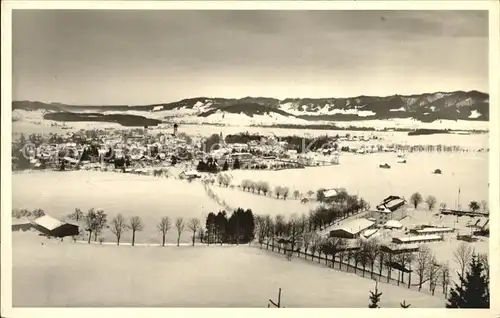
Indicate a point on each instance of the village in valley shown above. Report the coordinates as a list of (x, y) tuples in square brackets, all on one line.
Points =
[(250, 159), (413, 242)]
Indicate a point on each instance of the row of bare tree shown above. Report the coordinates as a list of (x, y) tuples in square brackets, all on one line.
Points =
[(96, 220), (299, 234), (416, 199), (262, 187)]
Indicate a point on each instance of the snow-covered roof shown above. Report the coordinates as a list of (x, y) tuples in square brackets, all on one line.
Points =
[(48, 222), (331, 193), (190, 173), (418, 238), (434, 230), (20, 221), (69, 159), (369, 233), (355, 226), (397, 247), (393, 224)]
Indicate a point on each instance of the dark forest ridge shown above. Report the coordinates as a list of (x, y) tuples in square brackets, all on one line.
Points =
[(458, 105)]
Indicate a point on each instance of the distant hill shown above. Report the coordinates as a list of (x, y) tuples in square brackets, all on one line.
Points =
[(122, 119), (459, 105)]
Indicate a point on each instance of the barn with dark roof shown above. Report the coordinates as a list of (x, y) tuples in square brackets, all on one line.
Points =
[(53, 227)]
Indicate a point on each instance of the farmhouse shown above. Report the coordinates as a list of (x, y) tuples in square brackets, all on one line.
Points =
[(21, 225), (331, 194), (391, 208), (53, 227), (352, 229), (417, 239)]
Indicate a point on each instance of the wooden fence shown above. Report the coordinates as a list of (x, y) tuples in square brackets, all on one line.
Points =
[(344, 264)]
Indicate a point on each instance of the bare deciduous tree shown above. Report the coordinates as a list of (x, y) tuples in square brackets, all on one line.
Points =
[(135, 225), (372, 250), (260, 229), (307, 240), (423, 258), (179, 225), (445, 278), (433, 273), (484, 206), (416, 199), (118, 226), (194, 225), (90, 222), (431, 202), (284, 192), (100, 223), (163, 228), (277, 191), (463, 256), (77, 215)]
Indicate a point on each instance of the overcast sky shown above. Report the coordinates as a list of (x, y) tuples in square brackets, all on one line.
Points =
[(141, 57)]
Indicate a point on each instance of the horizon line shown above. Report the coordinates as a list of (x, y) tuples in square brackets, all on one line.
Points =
[(248, 96)]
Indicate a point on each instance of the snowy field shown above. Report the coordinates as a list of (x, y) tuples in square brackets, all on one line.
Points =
[(360, 174), (59, 193), (33, 122), (78, 275)]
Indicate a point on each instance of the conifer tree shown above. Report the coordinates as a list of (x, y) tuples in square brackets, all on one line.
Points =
[(473, 290), (404, 304), (374, 297), (236, 164)]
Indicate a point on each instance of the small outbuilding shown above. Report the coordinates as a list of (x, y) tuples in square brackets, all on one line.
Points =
[(399, 248), (352, 229), (417, 239), (393, 224), (53, 227), (21, 225), (432, 230)]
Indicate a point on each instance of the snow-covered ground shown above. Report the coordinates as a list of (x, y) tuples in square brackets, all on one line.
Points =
[(291, 108), (231, 119), (32, 121), (59, 193), (360, 174), (58, 274)]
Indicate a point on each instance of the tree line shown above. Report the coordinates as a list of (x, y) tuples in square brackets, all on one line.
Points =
[(25, 213), (219, 228)]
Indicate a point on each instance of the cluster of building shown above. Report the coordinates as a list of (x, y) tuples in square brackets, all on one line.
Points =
[(387, 216), (86, 150)]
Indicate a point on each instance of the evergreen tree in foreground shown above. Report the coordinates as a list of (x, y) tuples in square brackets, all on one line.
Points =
[(473, 292), (374, 297), (404, 304)]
